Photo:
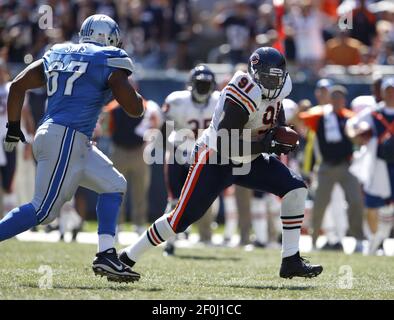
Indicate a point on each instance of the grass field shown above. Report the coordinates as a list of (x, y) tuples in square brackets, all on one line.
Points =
[(63, 271)]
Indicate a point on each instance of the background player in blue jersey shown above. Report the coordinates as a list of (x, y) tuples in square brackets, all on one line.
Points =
[(79, 79)]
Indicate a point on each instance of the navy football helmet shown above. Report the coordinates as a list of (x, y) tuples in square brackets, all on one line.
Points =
[(201, 83), (267, 67)]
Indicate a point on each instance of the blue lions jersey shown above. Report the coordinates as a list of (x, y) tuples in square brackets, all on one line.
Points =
[(77, 86)]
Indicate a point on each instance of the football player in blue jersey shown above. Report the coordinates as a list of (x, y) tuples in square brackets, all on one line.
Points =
[(79, 79)]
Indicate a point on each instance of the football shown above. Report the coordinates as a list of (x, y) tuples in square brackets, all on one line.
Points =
[(286, 135)]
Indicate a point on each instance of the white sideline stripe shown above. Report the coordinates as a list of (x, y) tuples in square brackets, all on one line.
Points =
[(127, 238), (195, 169)]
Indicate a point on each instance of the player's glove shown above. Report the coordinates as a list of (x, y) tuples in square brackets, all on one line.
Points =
[(14, 135), (270, 145), (268, 142)]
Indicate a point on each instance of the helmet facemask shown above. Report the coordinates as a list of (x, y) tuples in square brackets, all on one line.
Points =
[(202, 87), (271, 83)]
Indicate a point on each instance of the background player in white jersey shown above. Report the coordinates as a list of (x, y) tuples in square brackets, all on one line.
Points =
[(373, 128), (79, 78), (187, 113), (358, 105), (250, 101)]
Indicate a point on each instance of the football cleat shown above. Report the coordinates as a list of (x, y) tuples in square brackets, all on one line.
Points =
[(258, 244), (332, 247), (108, 264), (297, 266), (124, 258)]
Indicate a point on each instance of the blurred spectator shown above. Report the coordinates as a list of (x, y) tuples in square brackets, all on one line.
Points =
[(375, 167), (385, 42), (266, 20), (306, 23), (7, 160), (322, 96), (239, 28), (19, 34), (343, 50), (329, 7), (146, 23), (363, 24), (362, 104), (180, 24), (336, 153), (108, 8), (161, 34)]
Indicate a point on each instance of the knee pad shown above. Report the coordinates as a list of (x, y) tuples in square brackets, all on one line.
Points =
[(293, 202), (51, 216), (121, 185)]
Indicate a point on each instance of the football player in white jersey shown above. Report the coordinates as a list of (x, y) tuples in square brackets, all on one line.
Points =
[(223, 156), (187, 113)]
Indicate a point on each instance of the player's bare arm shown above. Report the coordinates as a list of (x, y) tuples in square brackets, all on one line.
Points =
[(124, 93), (235, 118), (31, 77)]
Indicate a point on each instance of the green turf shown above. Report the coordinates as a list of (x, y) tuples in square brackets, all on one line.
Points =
[(203, 273)]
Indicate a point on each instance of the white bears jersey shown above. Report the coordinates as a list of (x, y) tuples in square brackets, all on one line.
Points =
[(360, 103), (263, 113), (187, 114)]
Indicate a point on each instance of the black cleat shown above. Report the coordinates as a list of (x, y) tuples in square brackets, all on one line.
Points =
[(75, 232), (258, 244), (332, 247), (297, 266), (123, 257), (169, 249), (108, 264)]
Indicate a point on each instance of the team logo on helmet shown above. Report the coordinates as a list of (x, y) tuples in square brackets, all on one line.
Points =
[(254, 59)]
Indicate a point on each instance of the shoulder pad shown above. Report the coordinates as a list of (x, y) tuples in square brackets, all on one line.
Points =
[(176, 96), (243, 91), (118, 58)]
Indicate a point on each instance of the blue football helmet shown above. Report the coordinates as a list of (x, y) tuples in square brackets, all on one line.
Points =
[(100, 29)]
